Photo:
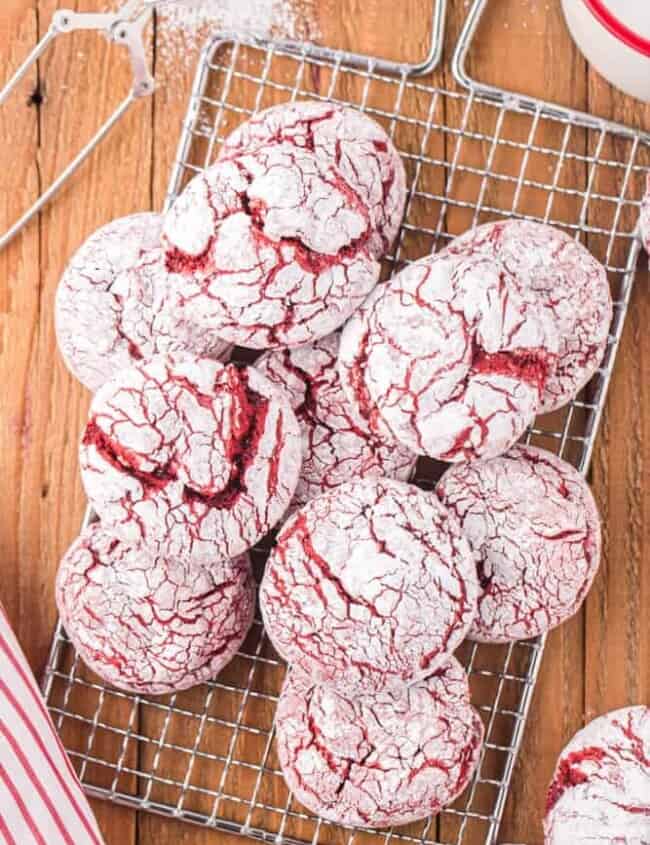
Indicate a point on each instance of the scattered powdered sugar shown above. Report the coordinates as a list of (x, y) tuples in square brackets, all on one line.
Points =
[(183, 26)]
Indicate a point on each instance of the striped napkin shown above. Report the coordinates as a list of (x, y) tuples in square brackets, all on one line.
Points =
[(41, 802)]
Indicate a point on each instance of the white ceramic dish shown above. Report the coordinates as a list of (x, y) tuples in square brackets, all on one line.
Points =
[(614, 35)]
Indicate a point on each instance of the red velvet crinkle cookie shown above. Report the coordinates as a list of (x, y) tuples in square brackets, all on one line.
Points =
[(195, 459), (152, 625), (601, 788), (352, 365), (448, 358), (345, 137), (378, 759), (337, 444), (370, 586), (108, 312), (645, 218), (571, 287), (534, 528), (270, 249)]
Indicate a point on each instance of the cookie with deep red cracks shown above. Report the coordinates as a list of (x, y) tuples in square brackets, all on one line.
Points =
[(338, 446), (152, 625), (190, 457), (378, 759), (570, 285), (534, 528), (448, 358), (269, 249), (345, 137), (108, 312), (369, 586), (600, 791)]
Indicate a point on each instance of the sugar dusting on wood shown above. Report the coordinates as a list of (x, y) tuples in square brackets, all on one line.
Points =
[(183, 26)]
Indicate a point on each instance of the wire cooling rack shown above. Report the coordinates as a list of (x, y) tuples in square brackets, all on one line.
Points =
[(472, 154)]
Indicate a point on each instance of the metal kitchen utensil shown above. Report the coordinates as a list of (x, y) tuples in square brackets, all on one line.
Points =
[(124, 27), (473, 153)]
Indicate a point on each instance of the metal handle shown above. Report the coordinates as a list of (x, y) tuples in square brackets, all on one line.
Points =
[(122, 31), (63, 177), (517, 100), (345, 57), (434, 56), (36, 53)]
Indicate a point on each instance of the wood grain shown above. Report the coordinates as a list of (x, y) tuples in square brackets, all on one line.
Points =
[(598, 661)]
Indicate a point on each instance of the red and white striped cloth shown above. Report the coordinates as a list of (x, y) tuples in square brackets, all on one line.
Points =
[(41, 801)]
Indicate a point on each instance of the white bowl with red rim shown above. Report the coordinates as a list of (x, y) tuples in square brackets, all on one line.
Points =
[(614, 35)]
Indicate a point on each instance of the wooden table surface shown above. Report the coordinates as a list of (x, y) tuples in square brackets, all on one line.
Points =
[(598, 661)]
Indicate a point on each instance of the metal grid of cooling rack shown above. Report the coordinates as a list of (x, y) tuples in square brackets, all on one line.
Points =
[(207, 755)]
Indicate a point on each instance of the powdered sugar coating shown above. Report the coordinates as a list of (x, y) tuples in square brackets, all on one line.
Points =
[(108, 312), (270, 248), (645, 217), (192, 458), (152, 625), (601, 788), (346, 138), (370, 586), (337, 444), (352, 366), (381, 759), (448, 358), (534, 528), (571, 286)]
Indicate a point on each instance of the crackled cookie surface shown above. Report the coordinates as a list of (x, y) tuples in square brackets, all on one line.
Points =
[(370, 586), (448, 358), (337, 444), (357, 145), (190, 457), (378, 759), (571, 286), (352, 365), (270, 248), (108, 312), (534, 528), (152, 625), (601, 788)]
